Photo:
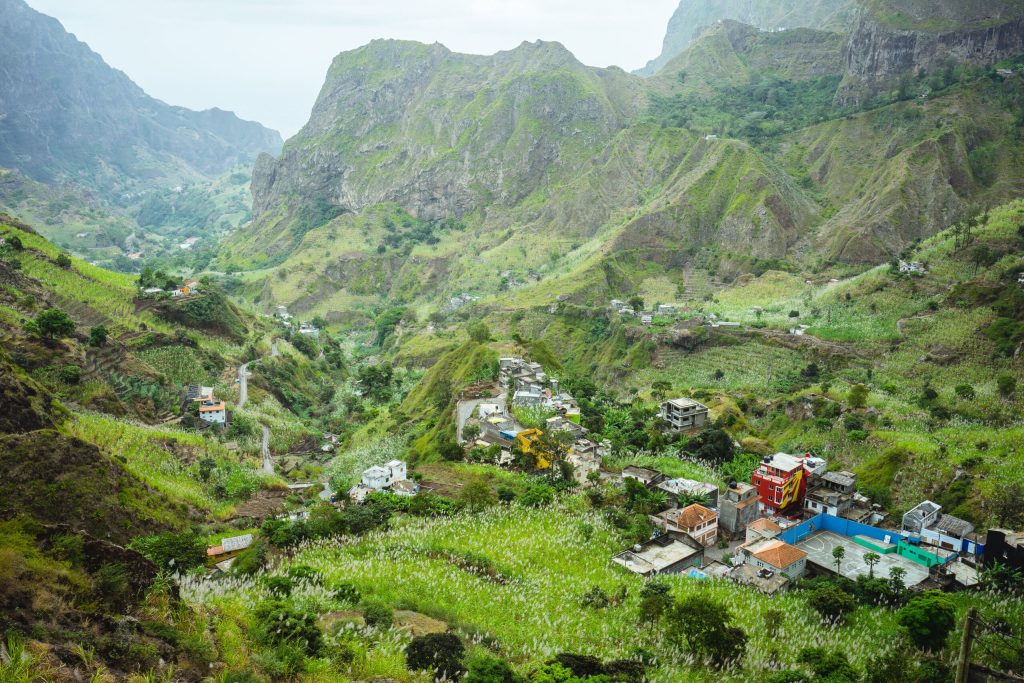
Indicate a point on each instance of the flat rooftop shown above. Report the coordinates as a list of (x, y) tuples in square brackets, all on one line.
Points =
[(655, 557), (819, 552)]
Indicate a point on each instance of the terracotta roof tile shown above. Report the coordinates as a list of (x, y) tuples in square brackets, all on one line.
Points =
[(695, 515), (780, 555)]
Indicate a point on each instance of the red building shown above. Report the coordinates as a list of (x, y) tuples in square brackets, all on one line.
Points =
[(781, 481)]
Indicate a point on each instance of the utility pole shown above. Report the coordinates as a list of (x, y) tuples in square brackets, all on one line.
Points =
[(963, 664)]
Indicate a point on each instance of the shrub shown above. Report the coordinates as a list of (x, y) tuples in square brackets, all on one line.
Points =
[(54, 323), (832, 603), (441, 653), (487, 669), (70, 374), (377, 614), (63, 261), (98, 336), (537, 495), (346, 592), (279, 624), (1007, 385), (172, 551), (929, 618)]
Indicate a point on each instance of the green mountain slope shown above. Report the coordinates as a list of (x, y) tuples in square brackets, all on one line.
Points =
[(67, 116), (692, 17)]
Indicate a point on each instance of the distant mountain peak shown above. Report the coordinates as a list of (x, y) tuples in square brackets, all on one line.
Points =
[(66, 115)]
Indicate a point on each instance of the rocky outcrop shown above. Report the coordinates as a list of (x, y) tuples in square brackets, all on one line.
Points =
[(692, 17), (879, 52), (66, 115)]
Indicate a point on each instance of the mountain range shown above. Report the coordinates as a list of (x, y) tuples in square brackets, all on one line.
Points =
[(423, 173)]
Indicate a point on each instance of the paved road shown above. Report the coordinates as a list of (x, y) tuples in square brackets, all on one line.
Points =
[(465, 410), (268, 461), (243, 385)]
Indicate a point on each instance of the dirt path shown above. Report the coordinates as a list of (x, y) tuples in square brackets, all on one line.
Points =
[(268, 460)]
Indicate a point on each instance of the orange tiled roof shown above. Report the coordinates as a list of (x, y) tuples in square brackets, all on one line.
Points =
[(213, 408), (694, 515), (215, 551), (780, 555)]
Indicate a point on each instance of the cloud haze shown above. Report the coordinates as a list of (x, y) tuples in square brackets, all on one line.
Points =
[(266, 59)]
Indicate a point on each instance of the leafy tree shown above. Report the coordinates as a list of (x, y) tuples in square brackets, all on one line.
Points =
[(713, 445), (636, 303), (705, 627), (838, 553), (471, 431), (441, 653), (172, 551), (832, 603), (479, 332), (1003, 578), (54, 323), (794, 314), (63, 261), (70, 374), (929, 618), (537, 495), (871, 559), (858, 396), (98, 336), (896, 581), (655, 600)]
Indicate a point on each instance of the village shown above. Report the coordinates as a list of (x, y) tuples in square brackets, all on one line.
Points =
[(794, 518)]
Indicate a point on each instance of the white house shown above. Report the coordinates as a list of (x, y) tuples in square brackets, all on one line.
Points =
[(398, 470), (377, 478), (485, 410), (214, 413), (912, 267)]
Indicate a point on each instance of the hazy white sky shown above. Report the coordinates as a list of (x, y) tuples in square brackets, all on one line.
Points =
[(266, 59)]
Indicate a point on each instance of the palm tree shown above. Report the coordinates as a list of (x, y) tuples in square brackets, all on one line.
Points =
[(871, 559), (838, 553)]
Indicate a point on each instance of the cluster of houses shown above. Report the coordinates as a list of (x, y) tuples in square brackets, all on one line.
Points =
[(392, 477), (673, 311), (528, 385), (307, 329), (186, 289), (912, 267), (460, 301), (211, 410), (789, 521)]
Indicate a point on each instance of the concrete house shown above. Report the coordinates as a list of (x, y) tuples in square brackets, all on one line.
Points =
[(761, 530), (833, 493), (666, 554), (377, 478), (923, 515), (696, 520), (213, 412), (738, 507), (644, 475), (398, 470), (684, 413), (778, 556)]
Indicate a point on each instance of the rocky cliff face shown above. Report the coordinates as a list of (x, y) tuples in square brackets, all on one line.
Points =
[(692, 17), (899, 37), (66, 115)]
